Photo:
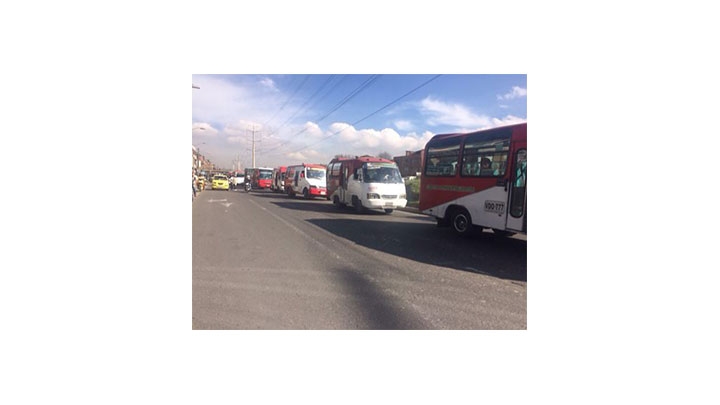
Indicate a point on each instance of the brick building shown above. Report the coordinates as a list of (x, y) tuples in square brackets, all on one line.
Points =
[(411, 163)]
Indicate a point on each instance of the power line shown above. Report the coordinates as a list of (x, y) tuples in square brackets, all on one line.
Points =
[(367, 83), (288, 99), (342, 79), (362, 87), (373, 113), (303, 107)]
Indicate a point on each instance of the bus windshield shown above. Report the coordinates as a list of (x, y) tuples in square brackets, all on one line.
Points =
[(381, 173), (316, 174), (265, 174)]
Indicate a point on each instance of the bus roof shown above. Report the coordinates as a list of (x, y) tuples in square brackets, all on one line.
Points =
[(488, 130), (315, 165), (364, 159)]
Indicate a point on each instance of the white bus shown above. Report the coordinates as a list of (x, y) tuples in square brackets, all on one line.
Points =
[(306, 179), (366, 182)]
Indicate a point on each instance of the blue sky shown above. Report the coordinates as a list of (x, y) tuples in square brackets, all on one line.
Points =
[(311, 118)]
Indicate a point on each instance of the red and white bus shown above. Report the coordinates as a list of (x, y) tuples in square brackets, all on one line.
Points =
[(278, 179), (477, 180), (261, 178), (307, 179)]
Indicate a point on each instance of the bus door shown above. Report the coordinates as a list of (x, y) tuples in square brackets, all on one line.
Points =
[(517, 197), (342, 190)]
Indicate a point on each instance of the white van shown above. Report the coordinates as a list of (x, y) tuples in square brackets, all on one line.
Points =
[(307, 179), (366, 182)]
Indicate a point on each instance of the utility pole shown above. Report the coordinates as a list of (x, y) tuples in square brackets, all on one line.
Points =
[(253, 146), (236, 163)]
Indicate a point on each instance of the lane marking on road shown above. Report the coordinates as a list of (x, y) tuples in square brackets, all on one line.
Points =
[(226, 205), (224, 199)]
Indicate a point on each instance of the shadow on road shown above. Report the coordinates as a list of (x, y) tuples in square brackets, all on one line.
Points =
[(321, 206), (378, 309), (421, 241)]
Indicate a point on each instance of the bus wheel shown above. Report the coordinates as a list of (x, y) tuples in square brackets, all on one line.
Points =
[(336, 201), (388, 211), (357, 204), (461, 222), (306, 194)]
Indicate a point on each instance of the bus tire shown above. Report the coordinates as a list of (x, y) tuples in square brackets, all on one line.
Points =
[(388, 211), (461, 222), (306, 194), (338, 203), (357, 204)]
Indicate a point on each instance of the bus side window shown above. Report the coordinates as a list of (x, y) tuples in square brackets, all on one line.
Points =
[(443, 158)]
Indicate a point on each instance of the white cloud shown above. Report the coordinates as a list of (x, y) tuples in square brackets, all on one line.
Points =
[(219, 100), (242, 128), (296, 156), (269, 83), (516, 92), (203, 129), (312, 129), (404, 125), (439, 112), (494, 122), (509, 119), (372, 141), (235, 140)]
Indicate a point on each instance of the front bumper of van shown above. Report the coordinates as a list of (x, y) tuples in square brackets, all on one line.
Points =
[(318, 191), (385, 201)]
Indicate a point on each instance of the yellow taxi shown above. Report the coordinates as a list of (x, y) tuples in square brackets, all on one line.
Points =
[(221, 182)]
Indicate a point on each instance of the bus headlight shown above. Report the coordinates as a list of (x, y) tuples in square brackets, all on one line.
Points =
[(373, 196), (403, 196)]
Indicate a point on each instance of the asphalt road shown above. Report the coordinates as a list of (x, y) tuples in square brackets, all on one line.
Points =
[(267, 261)]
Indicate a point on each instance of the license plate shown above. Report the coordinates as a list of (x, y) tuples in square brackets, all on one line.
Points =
[(495, 206), (391, 205)]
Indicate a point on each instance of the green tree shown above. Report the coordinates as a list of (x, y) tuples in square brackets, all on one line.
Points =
[(412, 188), (385, 155)]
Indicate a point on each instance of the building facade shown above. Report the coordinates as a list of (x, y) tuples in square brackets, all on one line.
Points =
[(411, 163)]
